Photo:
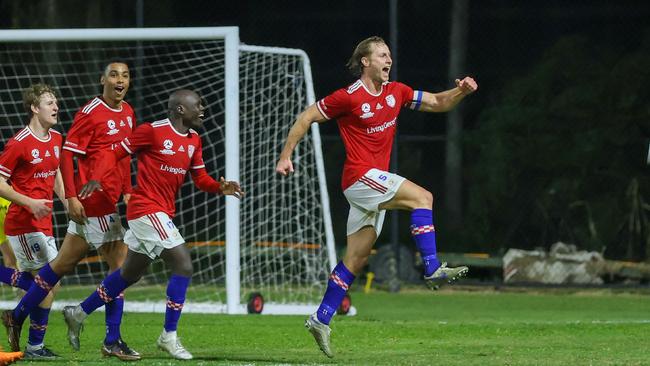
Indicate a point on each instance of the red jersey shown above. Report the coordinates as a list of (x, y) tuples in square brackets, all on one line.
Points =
[(98, 127), (30, 165), (367, 124), (164, 157)]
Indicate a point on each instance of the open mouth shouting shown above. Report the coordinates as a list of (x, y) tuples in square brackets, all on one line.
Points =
[(120, 90)]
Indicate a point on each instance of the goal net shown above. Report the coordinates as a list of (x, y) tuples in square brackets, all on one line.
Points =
[(277, 241)]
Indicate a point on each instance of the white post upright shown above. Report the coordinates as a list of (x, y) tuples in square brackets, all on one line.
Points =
[(233, 267), (320, 168)]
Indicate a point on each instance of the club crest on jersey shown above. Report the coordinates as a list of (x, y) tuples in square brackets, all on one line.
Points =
[(190, 150), (35, 155), (111, 127), (168, 144), (129, 120), (365, 108), (390, 100), (56, 151)]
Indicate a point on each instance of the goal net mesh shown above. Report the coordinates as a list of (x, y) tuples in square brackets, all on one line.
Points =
[(283, 252)]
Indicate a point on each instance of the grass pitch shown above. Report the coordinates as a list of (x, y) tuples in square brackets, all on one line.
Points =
[(414, 327)]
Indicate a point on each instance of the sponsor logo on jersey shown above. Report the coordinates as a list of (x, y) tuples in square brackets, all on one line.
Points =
[(56, 151), (390, 100), (44, 175), (365, 107), (35, 155), (167, 168), (122, 123), (111, 127), (381, 127), (47, 153), (168, 144), (181, 149), (378, 106), (190, 150)]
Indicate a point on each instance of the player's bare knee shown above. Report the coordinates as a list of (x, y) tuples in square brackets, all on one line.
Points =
[(424, 199), (184, 269)]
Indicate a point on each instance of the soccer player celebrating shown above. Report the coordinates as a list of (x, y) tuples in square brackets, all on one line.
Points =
[(30, 161), (98, 126), (166, 150), (367, 114)]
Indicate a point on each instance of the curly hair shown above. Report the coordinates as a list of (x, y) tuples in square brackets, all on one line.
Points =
[(32, 96)]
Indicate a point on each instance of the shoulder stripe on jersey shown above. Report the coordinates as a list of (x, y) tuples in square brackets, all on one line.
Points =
[(126, 147), (3, 173), (95, 102), (22, 134), (198, 166), (321, 109), (66, 147), (417, 100), (352, 88)]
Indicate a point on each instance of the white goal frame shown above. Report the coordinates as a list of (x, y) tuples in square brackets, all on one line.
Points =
[(230, 35)]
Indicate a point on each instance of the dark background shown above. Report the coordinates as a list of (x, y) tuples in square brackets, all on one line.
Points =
[(554, 142)]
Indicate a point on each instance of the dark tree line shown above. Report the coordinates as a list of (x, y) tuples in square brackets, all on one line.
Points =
[(562, 155)]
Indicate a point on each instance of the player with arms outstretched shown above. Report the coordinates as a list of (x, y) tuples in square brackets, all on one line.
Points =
[(30, 162), (97, 127), (366, 112), (166, 150)]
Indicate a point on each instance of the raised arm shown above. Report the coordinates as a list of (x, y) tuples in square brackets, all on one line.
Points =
[(296, 133), (448, 99)]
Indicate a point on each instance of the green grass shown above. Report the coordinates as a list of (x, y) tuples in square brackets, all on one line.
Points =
[(410, 328)]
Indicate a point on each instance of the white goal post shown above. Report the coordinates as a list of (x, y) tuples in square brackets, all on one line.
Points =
[(257, 92)]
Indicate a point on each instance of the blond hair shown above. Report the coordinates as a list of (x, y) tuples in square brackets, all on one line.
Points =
[(32, 96), (363, 49)]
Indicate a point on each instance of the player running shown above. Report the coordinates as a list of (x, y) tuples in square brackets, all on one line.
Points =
[(366, 112), (30, 162), (97, 127), (166, 150)]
